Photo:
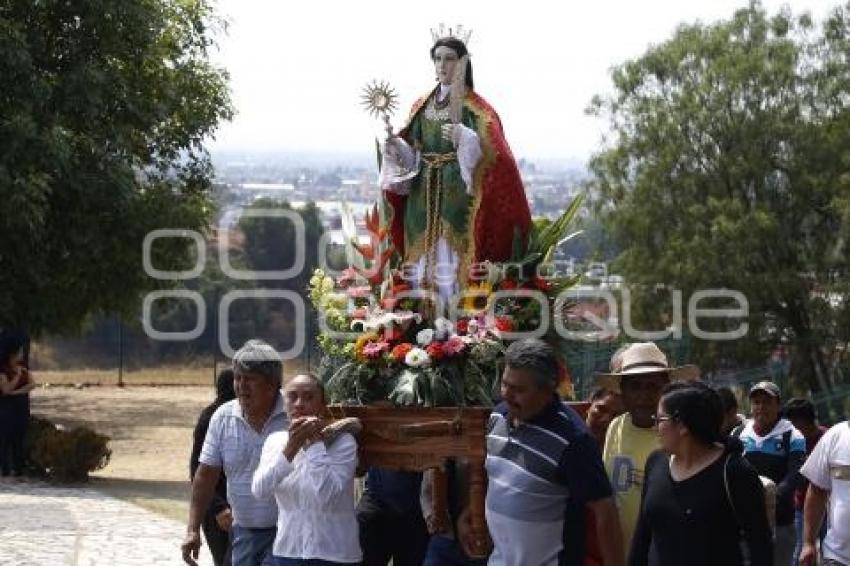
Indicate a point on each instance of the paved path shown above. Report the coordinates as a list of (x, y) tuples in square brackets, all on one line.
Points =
[(44, 525)]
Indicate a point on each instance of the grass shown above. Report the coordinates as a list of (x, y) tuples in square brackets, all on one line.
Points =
[(150, 376)]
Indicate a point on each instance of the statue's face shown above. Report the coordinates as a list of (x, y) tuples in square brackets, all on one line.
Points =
[(445, 61)]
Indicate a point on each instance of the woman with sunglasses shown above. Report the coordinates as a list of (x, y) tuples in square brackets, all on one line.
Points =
[(702, 504)]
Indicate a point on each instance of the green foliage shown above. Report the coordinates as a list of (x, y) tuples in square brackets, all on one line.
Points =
[(462, 382), (103, 109), (729, 169), (544, 237), (66, 456)]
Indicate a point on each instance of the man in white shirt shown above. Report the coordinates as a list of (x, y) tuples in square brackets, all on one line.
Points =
[(233, 443), (828, 471)]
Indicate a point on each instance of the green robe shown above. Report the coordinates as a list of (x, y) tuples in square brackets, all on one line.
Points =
[(452, 205)]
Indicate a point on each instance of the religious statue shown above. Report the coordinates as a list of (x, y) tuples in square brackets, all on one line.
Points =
[(454, 191)]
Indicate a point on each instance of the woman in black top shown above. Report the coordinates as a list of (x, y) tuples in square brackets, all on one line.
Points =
[(15, 386), (688, 517), (218, 519)]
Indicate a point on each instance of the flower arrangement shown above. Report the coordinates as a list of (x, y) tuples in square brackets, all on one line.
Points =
[(384, 341)]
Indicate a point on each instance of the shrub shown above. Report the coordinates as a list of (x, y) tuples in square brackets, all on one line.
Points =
[(65, 456)]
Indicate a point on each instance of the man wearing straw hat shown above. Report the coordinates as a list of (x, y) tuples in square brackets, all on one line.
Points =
[(642, 373)]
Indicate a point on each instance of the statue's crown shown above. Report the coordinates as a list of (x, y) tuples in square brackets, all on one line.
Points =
[(458, 32)]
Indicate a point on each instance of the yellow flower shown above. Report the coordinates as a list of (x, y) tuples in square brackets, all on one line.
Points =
[(476, 297), (361, 343)]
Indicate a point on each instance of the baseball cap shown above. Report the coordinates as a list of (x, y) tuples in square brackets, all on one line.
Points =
[(767, 387)]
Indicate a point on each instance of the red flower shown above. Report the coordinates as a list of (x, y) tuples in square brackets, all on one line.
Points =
[(359, 313), (462, 325), (508, 284), (504, 324), (542, 284), (400, 351), (389, 303), (400, 288), (435, 350)]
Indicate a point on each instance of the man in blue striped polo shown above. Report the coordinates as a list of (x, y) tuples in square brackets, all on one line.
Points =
[(543, 468)]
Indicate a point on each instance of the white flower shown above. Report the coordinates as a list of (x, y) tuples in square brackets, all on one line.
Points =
[(327, 284), (472, 326), (443, 328), (425, 337), (315, 281), (417, 358), (380, 319)]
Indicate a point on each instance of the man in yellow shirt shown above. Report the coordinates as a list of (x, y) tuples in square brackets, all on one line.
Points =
[(642, 374)]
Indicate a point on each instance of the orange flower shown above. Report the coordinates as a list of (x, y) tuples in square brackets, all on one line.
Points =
[(400, 351)]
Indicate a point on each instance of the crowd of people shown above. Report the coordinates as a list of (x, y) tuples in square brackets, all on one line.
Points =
[(662, 470)]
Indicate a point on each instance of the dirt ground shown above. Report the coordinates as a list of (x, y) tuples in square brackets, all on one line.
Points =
[(151, 437)]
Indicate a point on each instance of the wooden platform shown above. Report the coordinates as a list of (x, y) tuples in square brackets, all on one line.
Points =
[(418, 439)]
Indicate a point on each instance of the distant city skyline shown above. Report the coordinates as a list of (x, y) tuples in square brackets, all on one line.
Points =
[(297, 68)]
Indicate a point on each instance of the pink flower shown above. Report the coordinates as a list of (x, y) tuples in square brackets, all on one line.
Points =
[(373, 350), (359, 292), (348, 277), (454, 346)]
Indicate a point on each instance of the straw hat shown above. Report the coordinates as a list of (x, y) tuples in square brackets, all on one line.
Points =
[(643, 358)]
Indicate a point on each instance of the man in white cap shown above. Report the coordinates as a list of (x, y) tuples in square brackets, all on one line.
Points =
[(776, 450), (642, 374)]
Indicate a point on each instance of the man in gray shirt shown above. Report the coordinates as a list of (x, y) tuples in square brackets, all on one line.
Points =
[(234, 442)]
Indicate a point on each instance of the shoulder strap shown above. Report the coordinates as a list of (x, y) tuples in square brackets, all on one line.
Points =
[(736, 432), (786, 442), (726, 485)]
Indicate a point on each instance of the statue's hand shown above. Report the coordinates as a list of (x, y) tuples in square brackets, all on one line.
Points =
[(392, 151), (388, 127)]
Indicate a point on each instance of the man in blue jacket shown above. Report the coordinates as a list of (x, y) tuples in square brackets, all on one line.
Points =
[(776, 450)]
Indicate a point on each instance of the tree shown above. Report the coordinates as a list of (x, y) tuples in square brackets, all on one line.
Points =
[(729, 169), (270, 245), (270, 242), (104, 106)]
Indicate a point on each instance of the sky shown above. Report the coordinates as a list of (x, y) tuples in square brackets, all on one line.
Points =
[(297, 68)]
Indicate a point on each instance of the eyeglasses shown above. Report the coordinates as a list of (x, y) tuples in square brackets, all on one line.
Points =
[(656, 419)]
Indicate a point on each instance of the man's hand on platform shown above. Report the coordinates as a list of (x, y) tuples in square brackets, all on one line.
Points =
[(191, 547), (437, 525), (466, 535), (302, 432), (224, 519)]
